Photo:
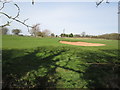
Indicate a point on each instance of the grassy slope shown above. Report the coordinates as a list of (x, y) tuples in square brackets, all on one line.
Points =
[(58, 65)]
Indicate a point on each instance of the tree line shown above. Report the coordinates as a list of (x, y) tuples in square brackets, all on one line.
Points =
[(111, 36), (37, 32), (4, 31)]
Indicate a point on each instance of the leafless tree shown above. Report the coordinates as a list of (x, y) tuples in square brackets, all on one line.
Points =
[(46, 32), (35, 29), (11, 18), (83, 34)]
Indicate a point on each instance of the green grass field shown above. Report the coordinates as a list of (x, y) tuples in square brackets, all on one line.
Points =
[(31, 62)]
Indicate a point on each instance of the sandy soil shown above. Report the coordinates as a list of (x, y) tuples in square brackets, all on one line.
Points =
[(82, 43)]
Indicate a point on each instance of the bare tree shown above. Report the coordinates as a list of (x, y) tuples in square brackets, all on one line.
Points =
[(35, 29), (83, 34), (46, 32)]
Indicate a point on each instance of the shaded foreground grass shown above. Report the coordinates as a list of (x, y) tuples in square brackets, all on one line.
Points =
[(30, 62), (63, 67)]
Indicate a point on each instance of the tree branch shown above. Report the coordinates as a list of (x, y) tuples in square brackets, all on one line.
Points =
[(26, 20), (18, 13), (13, 18), (98, 3), (3, 4), (7, 24)]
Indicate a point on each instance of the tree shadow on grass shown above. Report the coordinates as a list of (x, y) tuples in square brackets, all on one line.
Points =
[(19, 66), (103, 70), (102, 76), (100, 69), (37, 68)]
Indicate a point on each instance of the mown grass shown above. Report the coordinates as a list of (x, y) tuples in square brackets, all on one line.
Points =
[(109, 44), (18, 42), (27, 42), (31, 62)]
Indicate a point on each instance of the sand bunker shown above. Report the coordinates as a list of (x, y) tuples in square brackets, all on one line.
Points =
[(82, 43)]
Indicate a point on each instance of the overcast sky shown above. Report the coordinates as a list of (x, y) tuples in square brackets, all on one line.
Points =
[(75, 17)]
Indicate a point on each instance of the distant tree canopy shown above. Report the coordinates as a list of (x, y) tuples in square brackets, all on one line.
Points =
[(70, 35), (39, 34), (16, 31), (114, 36), (3, 30), (66, 35), (36, 31), (111, 36), (77, 35), (62, 35), (52, 35)]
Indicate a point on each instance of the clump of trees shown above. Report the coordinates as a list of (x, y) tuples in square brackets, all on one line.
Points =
[(46, 33), (83, 34), (66, 35), (40, 34), (4, 30), (36, 31), (52, 35), (70, 35), (77, 35), (113, 36), (16, 31)]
